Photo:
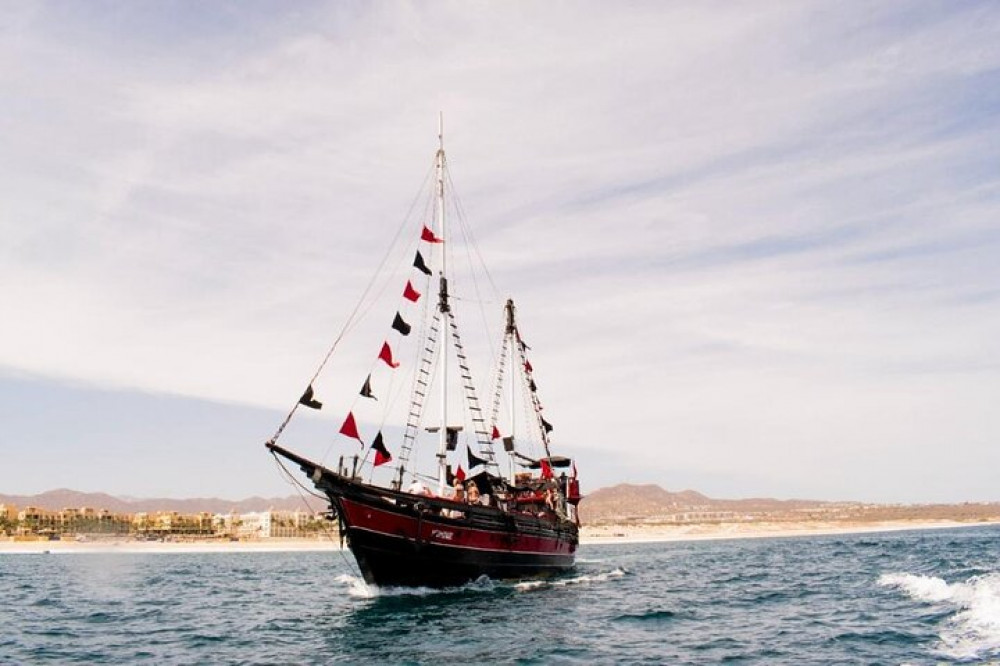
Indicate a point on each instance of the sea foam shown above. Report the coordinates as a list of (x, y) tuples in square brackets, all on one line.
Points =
[(529, 585), (358, 588), (974, 630)]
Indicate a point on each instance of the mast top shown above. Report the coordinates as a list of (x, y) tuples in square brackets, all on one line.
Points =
[(441, 131)]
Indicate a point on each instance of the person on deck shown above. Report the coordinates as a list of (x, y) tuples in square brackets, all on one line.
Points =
[(473, 491), (550, 499), (457, 495)]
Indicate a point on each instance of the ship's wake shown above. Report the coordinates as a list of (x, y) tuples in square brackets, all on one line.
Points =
[(358, 588), (585, 579), (973, 631)]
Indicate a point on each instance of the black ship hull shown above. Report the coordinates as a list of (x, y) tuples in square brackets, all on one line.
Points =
[(400, 539)]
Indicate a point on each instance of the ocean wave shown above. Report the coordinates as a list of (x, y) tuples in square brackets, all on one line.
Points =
[(973, 632), (647, 616)]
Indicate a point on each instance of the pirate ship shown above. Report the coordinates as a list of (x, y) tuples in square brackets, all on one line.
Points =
[(415, 520)]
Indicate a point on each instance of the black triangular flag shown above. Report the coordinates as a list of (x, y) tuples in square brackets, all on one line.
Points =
[(533, 386), (546, 425), (474, 459), (400, 325), (307, 399), (382, 455), (366, 390), (418, 262)]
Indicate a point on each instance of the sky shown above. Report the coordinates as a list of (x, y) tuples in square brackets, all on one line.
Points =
[(755, 246)]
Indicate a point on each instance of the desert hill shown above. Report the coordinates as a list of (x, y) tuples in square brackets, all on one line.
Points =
[(56, 500), (628, 502), (624, 503)]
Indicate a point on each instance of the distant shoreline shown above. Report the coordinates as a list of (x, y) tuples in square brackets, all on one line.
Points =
[(110, 546), (590, 535), (618, 534)]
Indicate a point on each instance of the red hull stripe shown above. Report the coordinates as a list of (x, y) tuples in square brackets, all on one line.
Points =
[(445, 544), (387, 523)]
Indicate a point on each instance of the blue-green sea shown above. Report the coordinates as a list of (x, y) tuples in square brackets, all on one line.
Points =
[(919, 597)]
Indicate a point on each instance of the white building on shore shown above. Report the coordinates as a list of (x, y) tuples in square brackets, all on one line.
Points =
[(268, 524)]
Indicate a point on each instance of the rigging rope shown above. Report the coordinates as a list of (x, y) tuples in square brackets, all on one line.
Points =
[(351, 318), (414, 243), (329, 533), (460, 209), (470, 241)]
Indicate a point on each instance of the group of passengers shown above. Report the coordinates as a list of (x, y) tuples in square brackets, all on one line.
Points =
[(468, 493)]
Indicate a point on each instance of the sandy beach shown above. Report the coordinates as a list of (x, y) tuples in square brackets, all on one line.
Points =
[(590, 535), (759, 530), (132, 546)]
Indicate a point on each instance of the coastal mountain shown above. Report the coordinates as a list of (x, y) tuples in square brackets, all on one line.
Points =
[(56, 500), (621, 502), (637, 502)]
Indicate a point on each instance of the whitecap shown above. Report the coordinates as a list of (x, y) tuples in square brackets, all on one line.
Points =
[(357, 587), (974, 630), (529, 585), (921, 588)]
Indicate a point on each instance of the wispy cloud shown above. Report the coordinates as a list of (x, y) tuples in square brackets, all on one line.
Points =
[(744, 237)]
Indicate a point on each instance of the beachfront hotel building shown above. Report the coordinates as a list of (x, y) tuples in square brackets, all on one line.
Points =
[(270, 524), (34, 522), (8, 518)]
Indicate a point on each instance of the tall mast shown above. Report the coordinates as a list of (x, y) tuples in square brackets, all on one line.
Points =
[(444, 308), (514, 374)]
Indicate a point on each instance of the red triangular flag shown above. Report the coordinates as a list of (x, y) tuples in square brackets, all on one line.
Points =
[(546, 468), (527, 365), (460, 473), (496, 433), (428, 235), (386, 355), (410, 293), (350, 428)]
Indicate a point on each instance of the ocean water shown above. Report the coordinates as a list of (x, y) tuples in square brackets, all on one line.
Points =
[(890, 598)]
